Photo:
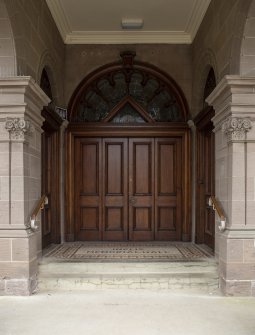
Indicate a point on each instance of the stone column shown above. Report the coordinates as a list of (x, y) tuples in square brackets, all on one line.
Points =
[(21, 101), (234, 103)]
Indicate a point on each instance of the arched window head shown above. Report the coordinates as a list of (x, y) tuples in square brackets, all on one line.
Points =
[(128, 92)]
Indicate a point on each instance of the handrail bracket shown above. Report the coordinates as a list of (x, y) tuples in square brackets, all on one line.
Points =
[(212, 202), (39, 206)]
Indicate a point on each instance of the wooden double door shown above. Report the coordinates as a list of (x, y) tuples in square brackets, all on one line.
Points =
[(127, 188)]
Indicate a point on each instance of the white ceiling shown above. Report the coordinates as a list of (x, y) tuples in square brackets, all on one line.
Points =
[(99, 21)]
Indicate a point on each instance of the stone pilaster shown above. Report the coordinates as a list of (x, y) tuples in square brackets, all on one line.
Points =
[(21, 101), (234, 103)]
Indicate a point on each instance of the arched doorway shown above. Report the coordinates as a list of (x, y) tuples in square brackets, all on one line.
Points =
[(128, 169), (50, 166), (205, 163)]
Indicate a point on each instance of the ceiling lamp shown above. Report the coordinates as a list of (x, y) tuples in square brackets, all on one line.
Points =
[(132, 23)]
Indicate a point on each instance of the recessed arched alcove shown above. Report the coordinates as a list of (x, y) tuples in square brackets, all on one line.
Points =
[(128, 172), (205, 167)]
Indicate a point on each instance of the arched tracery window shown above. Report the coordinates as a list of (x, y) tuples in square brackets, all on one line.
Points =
[(128, 93)]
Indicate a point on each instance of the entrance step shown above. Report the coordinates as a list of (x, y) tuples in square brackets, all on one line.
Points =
[(68, 276)]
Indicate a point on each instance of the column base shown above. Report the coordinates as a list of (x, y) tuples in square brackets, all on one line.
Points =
[(19, 287), (237, 287), (237, 264)]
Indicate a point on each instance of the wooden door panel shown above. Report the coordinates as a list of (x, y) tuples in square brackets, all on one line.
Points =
[(142, 220), (142, 174), (88, 218), (141, 189), (168, 189), (89, 168), (115, 181), (166, 218)]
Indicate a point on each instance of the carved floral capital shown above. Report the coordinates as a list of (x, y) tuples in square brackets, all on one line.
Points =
[(236, 128), (18, 128)]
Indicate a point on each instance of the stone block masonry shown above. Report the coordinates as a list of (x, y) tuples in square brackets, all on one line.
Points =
[(234, 121), (21, 102)]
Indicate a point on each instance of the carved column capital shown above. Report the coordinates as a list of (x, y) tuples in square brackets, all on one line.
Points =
[(18, 128), (236, 128)]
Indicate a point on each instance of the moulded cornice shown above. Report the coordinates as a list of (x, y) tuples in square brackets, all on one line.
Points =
[(59, 17), (126, 37), (196, 17), (25, 85), (70, 36), (232, 84), (20, 96), (234, 95)]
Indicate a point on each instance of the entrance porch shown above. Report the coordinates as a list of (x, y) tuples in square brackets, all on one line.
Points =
[(137, 265)]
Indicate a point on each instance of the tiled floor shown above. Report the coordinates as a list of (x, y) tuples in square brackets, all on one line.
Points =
[(138, 251)]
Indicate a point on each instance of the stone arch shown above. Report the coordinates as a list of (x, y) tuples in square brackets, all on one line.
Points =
[(47, 63), (200, 75), (247, 54), (8, 62)]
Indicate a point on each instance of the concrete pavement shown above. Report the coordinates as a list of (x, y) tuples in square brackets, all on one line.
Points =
[(121, 312)]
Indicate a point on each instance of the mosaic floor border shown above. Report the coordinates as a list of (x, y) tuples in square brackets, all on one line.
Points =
[(127, 251)]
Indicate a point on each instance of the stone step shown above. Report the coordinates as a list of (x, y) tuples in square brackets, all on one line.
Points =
[(66, 276)]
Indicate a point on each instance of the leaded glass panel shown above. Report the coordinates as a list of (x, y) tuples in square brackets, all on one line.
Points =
[(127, 114), (153, 96), (136, 89)]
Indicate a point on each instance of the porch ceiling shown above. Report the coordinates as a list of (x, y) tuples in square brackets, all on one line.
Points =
[(99, 21)]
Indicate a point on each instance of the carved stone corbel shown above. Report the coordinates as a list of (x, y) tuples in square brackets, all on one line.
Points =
[(236, 128), (18, 128)]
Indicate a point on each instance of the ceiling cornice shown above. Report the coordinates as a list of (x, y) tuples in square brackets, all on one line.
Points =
[(128, 37), (59, 17), (196, 17)]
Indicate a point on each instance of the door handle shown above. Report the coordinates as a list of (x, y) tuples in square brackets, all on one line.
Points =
[(132, 200)]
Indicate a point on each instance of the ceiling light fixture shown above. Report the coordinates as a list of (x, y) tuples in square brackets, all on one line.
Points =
[(132, 23)]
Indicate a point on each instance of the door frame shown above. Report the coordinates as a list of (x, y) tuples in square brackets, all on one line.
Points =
[(165, 130)]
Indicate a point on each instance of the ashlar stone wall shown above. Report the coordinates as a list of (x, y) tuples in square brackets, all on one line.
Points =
[(8, 66), (38, 43), (20, 181), (234, 121), (217, 45), (175, 60)]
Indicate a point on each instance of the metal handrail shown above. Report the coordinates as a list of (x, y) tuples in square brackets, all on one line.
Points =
[(213, 202), (40, 205)]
